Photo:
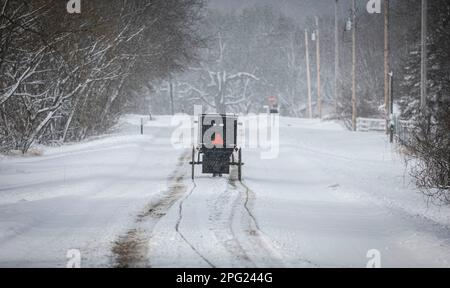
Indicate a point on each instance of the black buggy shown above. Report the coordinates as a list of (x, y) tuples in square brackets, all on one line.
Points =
[(217, 150)]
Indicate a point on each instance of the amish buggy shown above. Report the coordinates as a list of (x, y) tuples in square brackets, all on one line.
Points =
[(217, 149)]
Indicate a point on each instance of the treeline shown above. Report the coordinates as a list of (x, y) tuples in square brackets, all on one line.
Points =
[(253, 54), (64, 77), (430, 136), (250, 55), (259, 52)]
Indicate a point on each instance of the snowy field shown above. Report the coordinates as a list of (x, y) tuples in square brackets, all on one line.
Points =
[(126, 200)]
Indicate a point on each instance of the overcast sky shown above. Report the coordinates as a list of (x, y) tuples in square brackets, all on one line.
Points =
[(293, 8)]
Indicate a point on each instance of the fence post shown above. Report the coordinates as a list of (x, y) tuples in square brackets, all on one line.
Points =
[(391, 125), (391, 105), (142, 126)]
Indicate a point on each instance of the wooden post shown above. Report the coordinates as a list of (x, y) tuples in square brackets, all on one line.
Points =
[(424, 62), (391, 107), (172, 109), (319, 91), (149, 107), (308, 75), (387, 68), (354, 99), (336, 57)]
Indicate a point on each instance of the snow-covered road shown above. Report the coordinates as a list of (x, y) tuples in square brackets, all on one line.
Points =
[(127, 200)]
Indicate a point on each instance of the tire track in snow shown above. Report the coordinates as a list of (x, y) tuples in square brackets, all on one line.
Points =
[(258, 240), (131, 249), (178, 224), (254, 243), (222, 220)]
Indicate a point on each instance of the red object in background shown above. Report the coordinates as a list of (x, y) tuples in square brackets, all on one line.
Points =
[(273, 100)]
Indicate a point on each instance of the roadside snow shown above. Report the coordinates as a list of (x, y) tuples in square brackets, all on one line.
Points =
[(81, 196), (329, 198), (333, 195)]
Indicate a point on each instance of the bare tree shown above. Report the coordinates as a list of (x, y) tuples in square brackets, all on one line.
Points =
[(66, 78)]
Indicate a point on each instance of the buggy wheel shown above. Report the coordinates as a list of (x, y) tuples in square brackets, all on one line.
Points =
[(240, 165), (193, 162)]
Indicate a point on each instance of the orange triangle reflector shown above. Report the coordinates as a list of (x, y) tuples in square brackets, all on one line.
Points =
[(218, 140)]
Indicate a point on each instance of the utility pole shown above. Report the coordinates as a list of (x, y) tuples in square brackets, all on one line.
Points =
[(148, 103), (308, 75), (172, 109), (387, 68), (354, 99), (319, 89), (336, 57), (424, 62), (391, 124)]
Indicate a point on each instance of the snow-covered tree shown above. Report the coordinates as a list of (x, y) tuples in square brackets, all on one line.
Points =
[(430, 141), (66, 77)]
